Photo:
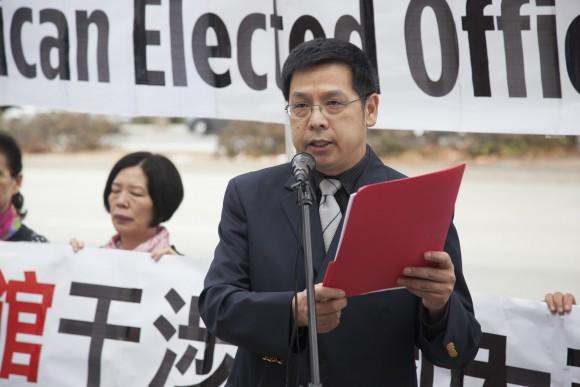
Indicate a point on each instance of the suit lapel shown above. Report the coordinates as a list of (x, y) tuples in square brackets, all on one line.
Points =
[(375, 172), (292, 211), (288, 203), (320, 270)]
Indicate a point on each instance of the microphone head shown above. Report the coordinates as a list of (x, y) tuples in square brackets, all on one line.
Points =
[(302, 163)]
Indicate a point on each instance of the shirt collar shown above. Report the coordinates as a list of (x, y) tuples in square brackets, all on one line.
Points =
[(348, 178)]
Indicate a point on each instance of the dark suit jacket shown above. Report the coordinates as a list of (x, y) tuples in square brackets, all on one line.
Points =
[(251, 282), (24, 234)]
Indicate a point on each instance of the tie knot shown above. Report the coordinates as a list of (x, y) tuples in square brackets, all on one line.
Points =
[(329, 186)]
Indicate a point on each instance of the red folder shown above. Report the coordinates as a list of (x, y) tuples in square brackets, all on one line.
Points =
[(389, 226)]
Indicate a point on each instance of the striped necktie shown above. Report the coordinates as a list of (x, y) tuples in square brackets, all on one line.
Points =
[(329, 210)]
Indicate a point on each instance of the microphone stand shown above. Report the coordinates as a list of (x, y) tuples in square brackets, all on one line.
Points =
[(304, 192)]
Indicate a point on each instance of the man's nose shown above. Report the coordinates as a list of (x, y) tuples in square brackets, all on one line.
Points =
[(317, 119)]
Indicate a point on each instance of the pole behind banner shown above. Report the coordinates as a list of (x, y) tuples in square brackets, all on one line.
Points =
[(290, 151)]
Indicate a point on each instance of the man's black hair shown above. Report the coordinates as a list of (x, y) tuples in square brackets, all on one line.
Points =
[(325, 51)]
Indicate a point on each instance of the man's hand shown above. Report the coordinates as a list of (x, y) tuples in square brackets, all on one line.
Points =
[(560, 303), (433, 284), (329, 303)]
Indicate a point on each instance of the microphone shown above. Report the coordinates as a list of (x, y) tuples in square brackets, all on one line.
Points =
[(302, 163)]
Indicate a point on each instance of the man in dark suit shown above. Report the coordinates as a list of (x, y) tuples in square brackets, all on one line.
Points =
[(251, 296)]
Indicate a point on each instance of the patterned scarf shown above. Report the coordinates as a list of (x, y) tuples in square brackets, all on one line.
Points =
[(10, 223), (159, 240)]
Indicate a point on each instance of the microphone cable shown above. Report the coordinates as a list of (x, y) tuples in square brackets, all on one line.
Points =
[(294, 338)]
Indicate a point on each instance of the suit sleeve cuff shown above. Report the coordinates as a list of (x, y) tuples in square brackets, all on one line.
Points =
[(300, 340), (432, 328)]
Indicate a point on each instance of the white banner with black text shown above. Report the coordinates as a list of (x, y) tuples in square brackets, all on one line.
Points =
[(509, 66)]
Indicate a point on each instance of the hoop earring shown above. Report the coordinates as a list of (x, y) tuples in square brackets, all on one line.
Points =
[(18, 203)]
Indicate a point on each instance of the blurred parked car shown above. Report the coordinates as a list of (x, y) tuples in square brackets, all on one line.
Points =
[(20, 112), (205, 125)]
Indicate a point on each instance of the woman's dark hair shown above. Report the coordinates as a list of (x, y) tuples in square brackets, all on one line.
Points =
[(11, 150), (163, 183), (326, 51)]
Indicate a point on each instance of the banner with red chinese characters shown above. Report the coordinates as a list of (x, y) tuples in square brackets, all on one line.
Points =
[(114, 318), (104, 318)]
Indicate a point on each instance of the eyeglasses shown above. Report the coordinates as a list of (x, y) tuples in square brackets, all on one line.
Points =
[(331, 107)]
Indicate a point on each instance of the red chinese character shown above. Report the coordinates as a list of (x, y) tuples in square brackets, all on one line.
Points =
[(16, 307)]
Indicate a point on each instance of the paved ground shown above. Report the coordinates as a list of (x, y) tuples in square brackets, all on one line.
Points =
[(519, 221)]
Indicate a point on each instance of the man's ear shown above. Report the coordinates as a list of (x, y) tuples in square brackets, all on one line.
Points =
[(371, 109)]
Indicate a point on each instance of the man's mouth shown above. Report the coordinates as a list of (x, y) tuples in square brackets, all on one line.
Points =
[(319, 143)]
